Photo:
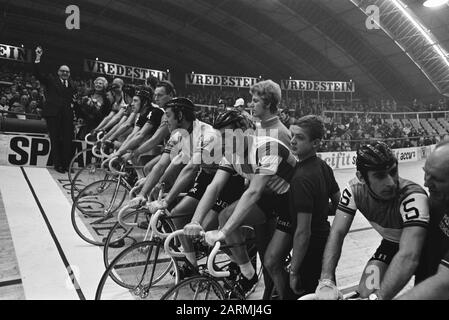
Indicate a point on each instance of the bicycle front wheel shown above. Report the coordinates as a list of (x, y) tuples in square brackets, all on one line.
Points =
[(94, 210), (142, 271), (86, 176), (120, 238), (196, 288)]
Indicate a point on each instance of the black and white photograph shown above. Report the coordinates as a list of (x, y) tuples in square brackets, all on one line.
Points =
[(260, 150)]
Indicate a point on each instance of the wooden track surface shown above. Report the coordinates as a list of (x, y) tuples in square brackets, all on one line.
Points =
[(359, 245)]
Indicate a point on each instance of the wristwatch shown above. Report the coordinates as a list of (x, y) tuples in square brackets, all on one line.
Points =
[(373, 296)]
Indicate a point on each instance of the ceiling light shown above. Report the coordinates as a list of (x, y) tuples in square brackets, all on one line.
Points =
[(434, 3)]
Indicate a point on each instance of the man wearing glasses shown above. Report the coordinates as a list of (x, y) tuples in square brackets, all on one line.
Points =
[(58, 113)]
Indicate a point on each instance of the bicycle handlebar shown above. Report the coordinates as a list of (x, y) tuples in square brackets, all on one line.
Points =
[(153, 222), (120, 218), (167, 248), (210, 263), (103, 153), (86, 138), (210, 259), (113, 170), (133, 191), (310, 296), (94, 152), (103, 164), (98, 135)]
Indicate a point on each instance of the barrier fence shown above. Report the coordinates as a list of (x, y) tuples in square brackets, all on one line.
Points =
[(30, 149)]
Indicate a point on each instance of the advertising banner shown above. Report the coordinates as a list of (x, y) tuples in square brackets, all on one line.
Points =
[(321, 86), (119, 70), (15, 53), (220, 81)]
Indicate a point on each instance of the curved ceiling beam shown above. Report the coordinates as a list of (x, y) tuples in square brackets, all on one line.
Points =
[(286, 38), (257, 59), (137, 16), (418, 43), (346, 38), (133, 35), (43, 31)]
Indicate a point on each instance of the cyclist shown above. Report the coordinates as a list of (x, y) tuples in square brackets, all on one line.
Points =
[(146, 124), (269, 165), (397, 209), (201, 169), (178, 150), (436, 253), (265, 99), (125, 113), (164, 92)]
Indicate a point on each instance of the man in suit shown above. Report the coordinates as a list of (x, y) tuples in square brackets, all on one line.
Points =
[(58, 113)]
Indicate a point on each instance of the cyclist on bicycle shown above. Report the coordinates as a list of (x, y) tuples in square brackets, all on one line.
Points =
[(186, 133), (125, 111), (164, 92), (397, 209), (146, 123), (201, 170), (268, 165)]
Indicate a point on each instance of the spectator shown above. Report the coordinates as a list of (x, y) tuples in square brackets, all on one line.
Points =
[(4, 103)]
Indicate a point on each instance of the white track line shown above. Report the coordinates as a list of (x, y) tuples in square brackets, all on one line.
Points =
[(44, 275), (85, 258)]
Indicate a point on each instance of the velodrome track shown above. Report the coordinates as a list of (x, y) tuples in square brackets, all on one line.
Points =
[(40, 253)]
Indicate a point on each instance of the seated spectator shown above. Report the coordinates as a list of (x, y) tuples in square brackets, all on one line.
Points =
[(33, 108), (18, 108), (4, 103)]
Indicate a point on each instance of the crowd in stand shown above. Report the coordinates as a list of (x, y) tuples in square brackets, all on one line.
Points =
[(21, 92)]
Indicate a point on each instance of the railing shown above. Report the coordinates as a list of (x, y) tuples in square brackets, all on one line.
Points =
[(415, 141), (392, 115), (27, 115)]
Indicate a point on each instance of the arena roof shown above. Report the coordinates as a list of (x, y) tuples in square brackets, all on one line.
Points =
[(306, 39)]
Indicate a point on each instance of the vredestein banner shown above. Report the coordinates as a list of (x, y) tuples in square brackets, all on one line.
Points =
[(14, 53), (322, 86), (119, 70), (220, 81)]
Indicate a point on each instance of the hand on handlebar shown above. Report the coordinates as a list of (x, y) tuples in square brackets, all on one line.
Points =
[(157, 205), (214, 236), (157, 191), (193, 230), (327, 290), (137, 201)]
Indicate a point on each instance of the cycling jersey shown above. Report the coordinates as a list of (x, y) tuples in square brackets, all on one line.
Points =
[(180, 142), (152, 114), (265, 156), (409, 208)]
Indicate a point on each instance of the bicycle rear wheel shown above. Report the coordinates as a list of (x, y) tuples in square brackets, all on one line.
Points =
[(94, 210), (196, 288), (141, 270)]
